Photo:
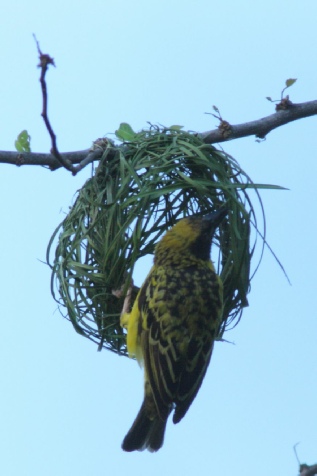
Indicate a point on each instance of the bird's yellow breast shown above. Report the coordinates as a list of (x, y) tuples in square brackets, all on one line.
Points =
[(183, 303)]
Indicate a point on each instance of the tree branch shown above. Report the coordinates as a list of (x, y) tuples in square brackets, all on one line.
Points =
[(80, 157), (305, 470), (287, 112)]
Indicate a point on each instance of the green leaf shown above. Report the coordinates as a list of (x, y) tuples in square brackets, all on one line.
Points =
[(290, 82), (22, 143), (269, 98), (176, 128), (125, 132)]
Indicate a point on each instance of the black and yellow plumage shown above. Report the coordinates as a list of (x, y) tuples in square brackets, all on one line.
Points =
[(173, 325)]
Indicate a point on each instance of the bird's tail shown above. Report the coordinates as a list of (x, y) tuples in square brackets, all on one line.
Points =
[(145, 433)]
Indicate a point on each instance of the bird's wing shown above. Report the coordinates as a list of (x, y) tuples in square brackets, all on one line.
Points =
[(160, 360), (175, 356), (199, 354), (205, 317)]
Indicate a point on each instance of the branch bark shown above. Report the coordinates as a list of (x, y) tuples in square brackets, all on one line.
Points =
[(261, 127), (306, 470), (80, 157), (286, 112)]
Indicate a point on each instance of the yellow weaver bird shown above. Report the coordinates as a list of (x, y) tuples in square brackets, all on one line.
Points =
[(172, 326)]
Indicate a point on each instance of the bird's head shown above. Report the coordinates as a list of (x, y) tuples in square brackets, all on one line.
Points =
[(190, 237)]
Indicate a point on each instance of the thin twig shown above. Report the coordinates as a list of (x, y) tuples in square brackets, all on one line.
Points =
[(45, 61)]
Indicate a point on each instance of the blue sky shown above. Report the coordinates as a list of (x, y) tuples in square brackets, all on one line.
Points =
[(64, 407)]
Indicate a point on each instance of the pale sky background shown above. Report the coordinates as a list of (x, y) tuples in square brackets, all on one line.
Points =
[(64, 407)]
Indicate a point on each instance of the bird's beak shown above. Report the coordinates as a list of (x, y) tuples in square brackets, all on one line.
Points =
[(215, 218)]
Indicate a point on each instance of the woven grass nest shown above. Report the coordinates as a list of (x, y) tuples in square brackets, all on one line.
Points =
[(155, 178)]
